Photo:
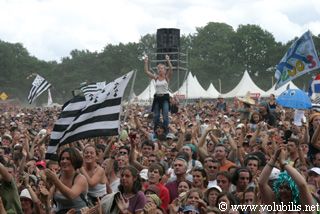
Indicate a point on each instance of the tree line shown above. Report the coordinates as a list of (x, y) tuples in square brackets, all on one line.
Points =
[(214, 53)]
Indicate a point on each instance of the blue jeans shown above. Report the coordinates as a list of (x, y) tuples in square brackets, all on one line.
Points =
[(165, 114)]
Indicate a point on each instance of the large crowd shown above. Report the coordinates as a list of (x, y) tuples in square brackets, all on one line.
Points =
[(211, 152)]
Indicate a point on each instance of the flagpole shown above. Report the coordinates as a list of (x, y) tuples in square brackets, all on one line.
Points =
[(130, 94)]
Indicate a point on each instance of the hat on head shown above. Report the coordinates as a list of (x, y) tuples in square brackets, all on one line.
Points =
[(247, 99), (41, 163), (190, 208), (240, 126), (315, 169), (192, 147), (153, 188), (17, 145), (25, 194), (7, 136), (171, 136), (155, 199), (214, 186), (144, 174)]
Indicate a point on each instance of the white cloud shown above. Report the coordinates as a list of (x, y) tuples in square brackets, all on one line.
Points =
[(50, 29)]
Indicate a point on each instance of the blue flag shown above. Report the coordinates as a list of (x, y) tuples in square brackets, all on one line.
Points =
[(301, 58)]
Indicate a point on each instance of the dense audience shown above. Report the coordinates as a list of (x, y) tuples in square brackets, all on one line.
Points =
[(236, 152)]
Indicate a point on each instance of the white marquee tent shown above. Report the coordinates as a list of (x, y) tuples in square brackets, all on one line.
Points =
[(281, 89), (246, 84), (212, 92), (147, 94), (191, 89)]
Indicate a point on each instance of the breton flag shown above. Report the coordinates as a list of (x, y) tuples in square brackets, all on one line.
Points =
[(314, 90), (93, 88), (39, 85), (301, 58), (81, 118)]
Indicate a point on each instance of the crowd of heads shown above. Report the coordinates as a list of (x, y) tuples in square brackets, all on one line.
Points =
[(235, 152)]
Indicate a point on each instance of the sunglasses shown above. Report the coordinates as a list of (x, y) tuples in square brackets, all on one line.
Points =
[(123, 153)]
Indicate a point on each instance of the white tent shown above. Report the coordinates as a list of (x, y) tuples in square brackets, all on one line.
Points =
[(212, 92), (147, 94), (246, 84), (281, 89), (191, 89), (202, 93)]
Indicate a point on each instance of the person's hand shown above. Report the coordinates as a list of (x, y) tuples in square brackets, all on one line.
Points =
[(146, 59), (122, 203), (226, 129), (282, 156), (167, 57), (174, 206), (51, 176), (44, 191), (150, 208), (26, 179)]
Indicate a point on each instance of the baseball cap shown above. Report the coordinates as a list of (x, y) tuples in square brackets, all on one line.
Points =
[(171, 136), (214, 186), (41, 163), (315, 169), (25, 194)]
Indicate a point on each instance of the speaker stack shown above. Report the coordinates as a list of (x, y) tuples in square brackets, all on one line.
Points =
[(168, 42)]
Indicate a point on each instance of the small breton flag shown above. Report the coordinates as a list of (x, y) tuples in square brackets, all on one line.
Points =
[(81, 118), (39, 85), (91, 89)]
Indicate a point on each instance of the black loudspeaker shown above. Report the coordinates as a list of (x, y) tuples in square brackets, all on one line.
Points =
[(168, 42), (168, 38)]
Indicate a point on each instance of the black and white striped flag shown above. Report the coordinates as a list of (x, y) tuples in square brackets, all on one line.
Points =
[(99, 116), (39, 85), (93, 88)]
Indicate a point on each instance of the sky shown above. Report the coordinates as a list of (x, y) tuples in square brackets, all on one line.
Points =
[(51, 29)]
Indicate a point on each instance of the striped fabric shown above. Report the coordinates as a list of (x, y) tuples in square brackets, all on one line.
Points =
[(39, 85), (81, 118)]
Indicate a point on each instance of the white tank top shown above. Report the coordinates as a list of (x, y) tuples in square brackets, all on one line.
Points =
[(162, 86)]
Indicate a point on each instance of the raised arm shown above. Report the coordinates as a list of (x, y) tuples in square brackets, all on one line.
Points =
[(80, 185), (146, 68), (305, 195), (267, 195), (96, 178), (170, 70)]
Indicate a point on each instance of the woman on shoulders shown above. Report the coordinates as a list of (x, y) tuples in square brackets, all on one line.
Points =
[(161, 97)]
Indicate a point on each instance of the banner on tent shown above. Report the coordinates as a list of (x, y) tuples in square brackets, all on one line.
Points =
[(301, 58)]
